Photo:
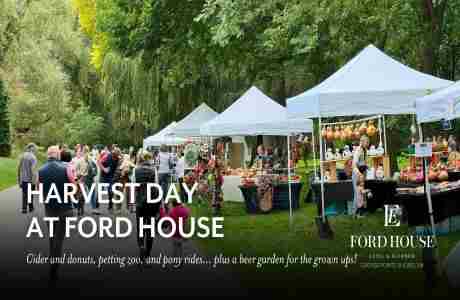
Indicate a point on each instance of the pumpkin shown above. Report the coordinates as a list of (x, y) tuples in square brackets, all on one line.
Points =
[(337, 133), (443, 175), (324, 133), (433, 175), (412, 177), (330, 134), (362, 129), (371, 130)]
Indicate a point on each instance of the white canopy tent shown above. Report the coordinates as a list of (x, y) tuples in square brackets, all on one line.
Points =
[(190, 125), (443, 104), (164, 136), (254, 113), (371, 83)]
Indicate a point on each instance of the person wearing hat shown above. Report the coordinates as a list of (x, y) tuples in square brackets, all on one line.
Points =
[(27, 174)]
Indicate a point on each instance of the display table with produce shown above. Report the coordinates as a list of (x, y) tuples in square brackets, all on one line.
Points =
[(278, 188), (281, 195), (445, 200), (336, 196)]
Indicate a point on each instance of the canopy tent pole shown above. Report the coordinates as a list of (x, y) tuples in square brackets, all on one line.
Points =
[(380, 131), (289, 180), (314, 153), (321, 167), (428, 189), (385, 134)]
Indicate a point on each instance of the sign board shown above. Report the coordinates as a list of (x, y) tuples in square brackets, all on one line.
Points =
[(423, 149)]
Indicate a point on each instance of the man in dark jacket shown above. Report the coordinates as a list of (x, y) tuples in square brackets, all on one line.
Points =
[(55, 172), (144, 173)]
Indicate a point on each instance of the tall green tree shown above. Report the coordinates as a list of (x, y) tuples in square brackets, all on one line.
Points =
[(5, 143)]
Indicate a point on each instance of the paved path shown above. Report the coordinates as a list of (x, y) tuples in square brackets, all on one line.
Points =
[(88, 279)]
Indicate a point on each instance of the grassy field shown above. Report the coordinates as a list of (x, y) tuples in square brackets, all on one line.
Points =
[(8, 172), (265, 235)]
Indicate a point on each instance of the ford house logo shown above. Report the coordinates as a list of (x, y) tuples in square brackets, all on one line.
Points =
[(392, 215)]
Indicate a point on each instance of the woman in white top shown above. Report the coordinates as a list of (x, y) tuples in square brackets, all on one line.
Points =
[(164, 169), (359, 167)]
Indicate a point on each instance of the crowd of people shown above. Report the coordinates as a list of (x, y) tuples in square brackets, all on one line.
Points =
[(86, 167)]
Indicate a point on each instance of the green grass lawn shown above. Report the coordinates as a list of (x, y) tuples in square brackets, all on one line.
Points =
[(264, 235), (8, 172)]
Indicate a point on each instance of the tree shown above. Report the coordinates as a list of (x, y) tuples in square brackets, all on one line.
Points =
[(5, 146)]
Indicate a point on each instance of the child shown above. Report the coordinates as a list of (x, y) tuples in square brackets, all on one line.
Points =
[(178, 211)]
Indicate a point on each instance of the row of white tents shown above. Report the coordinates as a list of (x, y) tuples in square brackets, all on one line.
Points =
[(252, 114), (369, 84)]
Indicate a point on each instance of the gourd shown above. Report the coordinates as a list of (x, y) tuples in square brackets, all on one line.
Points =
[(371, 130)]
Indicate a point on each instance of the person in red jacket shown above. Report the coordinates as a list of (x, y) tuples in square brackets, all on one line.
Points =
[(178, 211)]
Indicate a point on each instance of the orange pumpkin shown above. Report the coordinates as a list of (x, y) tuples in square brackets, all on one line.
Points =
[(337, 133), (443, 175)]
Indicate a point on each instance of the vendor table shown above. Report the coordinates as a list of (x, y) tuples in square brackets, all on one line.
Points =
[(231, 190), (454, 175), (280, 197), (446, 204), (383, 192), (336, 196)]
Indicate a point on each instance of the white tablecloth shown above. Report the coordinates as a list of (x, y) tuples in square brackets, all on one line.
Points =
[(231, 189)]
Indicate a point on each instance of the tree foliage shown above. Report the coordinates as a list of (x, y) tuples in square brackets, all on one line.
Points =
[(141, 64)]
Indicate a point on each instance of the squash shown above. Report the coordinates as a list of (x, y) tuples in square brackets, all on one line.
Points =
[(343, 134), (371, 130), (363, 129), (330, 134), (356, 133), (348, 132), (443, 175), (324, 133), (338, 133)]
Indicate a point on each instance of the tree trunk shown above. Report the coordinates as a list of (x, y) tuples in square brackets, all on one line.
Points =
[(433, 24)]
